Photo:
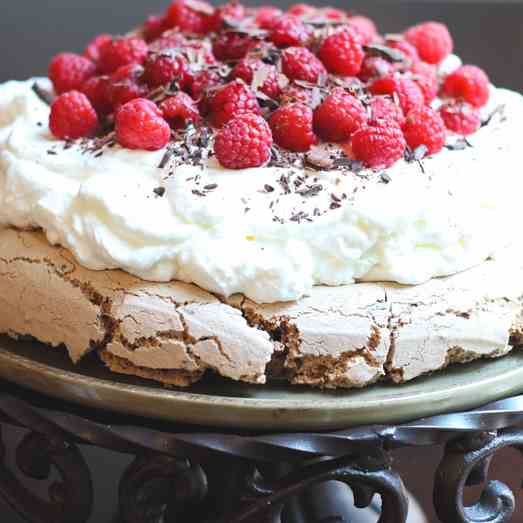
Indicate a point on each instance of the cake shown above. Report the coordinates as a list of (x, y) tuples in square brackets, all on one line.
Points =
[(263, 195)]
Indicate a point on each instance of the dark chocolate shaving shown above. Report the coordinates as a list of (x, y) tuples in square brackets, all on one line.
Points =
[(388, 53), (43, 94), (159, 191)]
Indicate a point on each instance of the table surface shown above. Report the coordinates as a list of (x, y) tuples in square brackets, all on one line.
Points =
[(488, 34)]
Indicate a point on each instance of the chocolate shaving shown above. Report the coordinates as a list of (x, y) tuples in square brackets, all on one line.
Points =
[(159, 191), (43, 94), (268, 188), (166, 158), (385, 178), (500, 109), (388, 53), (311, 190), (211, 186)]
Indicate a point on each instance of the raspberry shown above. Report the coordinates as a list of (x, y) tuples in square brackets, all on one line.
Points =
[(72, 116), (294, 93), (365, 27), (339, 116), (245, 70), (383, 108), (232, 46), (232, 99), (165, 68), (432, 40), (179, 110), (379, 144), (342, 53), (374, 67), (97, 90), (168, 41), (92, 51), (408, 50), (186, 18), (231, 13), (424, 126), (408, 92), (122, 51), (427, 79), (460, 118), (289, 31), (469, 83), (124, 85), (202, 83), (244, 142), (69, 71), (302, 10), (331, 13), (292, 127), (267, 16), (154, 27), (139, 125), (298, 63)]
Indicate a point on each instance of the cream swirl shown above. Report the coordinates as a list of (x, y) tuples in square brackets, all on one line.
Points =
[(270, 233)]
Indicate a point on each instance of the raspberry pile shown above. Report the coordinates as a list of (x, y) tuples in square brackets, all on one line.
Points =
[(259, 79)]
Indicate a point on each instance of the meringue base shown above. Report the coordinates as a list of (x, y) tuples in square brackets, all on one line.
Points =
[(338, 337)]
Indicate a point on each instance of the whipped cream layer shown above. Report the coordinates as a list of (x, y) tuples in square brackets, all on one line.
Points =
[(269, 233)]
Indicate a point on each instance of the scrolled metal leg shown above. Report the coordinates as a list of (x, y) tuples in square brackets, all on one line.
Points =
[(466, 462), (161, 488), (366, 477), (70, 499)]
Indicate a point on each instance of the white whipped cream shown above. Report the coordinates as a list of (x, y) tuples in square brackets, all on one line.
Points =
[(420, 225)]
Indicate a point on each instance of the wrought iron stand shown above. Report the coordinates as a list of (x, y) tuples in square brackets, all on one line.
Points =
[(189, 475)]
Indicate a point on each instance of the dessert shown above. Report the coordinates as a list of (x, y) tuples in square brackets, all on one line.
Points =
[(227, 189)]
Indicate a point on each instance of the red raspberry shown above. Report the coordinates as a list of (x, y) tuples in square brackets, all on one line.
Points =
[(427, 79), (231, 13), (245, 70), (154, 27), (292, 127), (267, 16), (298, 63), (232, 46), (72, 116), (383, 108), (179, 110), (124, 85), (97, 89), (294, 93), (432, 40), (289, 31), (460, 118), (424, 126), (69, 71), (244, 142), (469, 83), (139, 125), (181, 14), (331, 13), (374, 67), (408, 50), (168, 41), (379, 144), (164, 69), (408, 92), (302, 10), (122, 51), (232, 99), (340, 115), (365, 27), (202, 83), (92, 51), (342, 53)]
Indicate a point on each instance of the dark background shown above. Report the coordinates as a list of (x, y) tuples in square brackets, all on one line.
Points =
[(489, 34)]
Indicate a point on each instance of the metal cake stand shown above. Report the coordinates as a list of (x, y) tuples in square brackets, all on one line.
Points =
[(188, 474)]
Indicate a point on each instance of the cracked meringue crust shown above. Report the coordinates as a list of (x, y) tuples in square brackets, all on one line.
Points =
[(339, 337)]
